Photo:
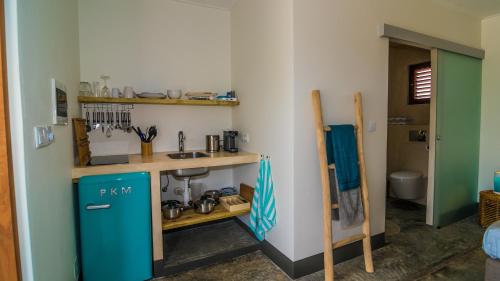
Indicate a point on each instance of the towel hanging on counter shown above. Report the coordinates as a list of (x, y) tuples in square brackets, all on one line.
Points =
[(263, 213)]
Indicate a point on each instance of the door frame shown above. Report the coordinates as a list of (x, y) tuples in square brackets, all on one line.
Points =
[(429, 208), (429, 212), (9, 245)]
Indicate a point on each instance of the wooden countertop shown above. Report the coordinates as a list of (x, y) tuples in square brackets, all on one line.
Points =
[(160, 162)]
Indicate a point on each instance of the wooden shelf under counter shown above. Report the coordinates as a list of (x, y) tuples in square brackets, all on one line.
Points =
[(166, 101), (190, 217)]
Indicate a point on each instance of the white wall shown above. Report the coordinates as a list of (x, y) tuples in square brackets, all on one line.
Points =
[(337, 50), (489, 161), (43, 45), (153, 46), (262, 73)]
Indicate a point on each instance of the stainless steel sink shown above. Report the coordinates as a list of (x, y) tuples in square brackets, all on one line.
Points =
[(192, 172), (187, 155)]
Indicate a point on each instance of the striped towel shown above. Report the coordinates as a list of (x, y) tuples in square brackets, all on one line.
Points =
[(263, 214)]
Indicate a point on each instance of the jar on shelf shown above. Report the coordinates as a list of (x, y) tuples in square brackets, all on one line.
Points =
[(496, 182)]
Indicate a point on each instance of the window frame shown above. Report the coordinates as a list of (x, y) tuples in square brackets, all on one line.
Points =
[(411, 87)]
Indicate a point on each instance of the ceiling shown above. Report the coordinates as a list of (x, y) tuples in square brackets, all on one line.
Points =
[(218, 4), (479, 8)]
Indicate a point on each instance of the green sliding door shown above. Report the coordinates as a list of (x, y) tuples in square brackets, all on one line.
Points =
[(458, 114)]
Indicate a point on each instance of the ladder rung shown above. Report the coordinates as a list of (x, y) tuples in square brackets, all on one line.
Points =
[(348, 240), (332, 166), (335, 206)]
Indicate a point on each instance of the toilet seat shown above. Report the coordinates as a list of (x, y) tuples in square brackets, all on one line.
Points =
[(406, 175)]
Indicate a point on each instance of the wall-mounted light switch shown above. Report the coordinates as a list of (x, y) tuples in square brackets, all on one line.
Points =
[(372, 126), (43, 136)]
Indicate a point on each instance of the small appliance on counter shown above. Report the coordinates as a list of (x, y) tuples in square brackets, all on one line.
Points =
[(213, 143), (230, 141)]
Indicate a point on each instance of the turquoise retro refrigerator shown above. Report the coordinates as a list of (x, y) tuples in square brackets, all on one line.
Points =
[(115, 227)]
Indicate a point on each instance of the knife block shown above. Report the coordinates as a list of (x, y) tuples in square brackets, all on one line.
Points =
[(146, 148)]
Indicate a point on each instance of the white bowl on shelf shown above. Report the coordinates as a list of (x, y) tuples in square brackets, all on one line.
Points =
[(174, 94)]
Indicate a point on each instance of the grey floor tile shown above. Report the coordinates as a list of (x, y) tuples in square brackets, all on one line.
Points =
[(415, 251)]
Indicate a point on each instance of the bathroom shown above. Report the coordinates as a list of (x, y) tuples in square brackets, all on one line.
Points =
[(407, 131)]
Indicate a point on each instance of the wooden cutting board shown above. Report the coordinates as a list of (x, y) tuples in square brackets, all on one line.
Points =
[(246, 192), (81, 142)]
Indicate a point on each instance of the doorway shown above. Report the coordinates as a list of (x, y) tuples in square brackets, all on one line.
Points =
[(408, 127), (434, 104)]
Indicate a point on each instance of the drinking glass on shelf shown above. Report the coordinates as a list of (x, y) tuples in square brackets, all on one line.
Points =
[(128, 92), (105, 90), (85, 89), (96, 88)]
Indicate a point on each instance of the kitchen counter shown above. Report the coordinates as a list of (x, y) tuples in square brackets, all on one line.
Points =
[(160, 161), (154, 165)]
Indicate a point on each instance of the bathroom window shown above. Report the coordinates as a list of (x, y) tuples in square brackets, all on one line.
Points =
[(420, 83)]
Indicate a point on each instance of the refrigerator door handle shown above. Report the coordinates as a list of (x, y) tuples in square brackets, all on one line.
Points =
[(98, 207)]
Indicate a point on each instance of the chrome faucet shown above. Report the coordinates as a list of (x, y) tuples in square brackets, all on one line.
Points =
[(182, 138)]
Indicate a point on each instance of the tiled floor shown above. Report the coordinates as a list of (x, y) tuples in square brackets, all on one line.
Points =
[(201, 242), (414, 252)]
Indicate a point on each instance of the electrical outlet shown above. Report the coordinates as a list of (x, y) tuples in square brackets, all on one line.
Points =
[(245, 138)]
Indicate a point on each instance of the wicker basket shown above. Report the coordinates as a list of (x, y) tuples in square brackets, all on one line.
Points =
[(489, 208)]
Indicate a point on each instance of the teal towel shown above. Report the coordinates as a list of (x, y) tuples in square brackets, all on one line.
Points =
[(341, 149), (263, 213)]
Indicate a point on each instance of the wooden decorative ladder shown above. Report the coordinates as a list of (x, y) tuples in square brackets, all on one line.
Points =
[(329, 245)]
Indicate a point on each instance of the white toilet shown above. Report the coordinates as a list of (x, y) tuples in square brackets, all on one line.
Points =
[(407, 185)]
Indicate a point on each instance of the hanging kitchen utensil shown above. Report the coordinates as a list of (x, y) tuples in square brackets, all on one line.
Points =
[(129, 122), (93, 120), (88, 128), (117, 115), (108, 122), (102, 120)]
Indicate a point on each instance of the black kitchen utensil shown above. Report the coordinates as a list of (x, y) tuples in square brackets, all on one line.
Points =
[(87, 123), (151, 133)]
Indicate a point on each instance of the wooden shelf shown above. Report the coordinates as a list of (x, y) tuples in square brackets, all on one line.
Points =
[(190, 217), (82, 99)]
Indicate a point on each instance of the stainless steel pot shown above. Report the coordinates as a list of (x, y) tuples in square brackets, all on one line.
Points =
[(213, 194), (204, 206), (213, 143), (171, 209)]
